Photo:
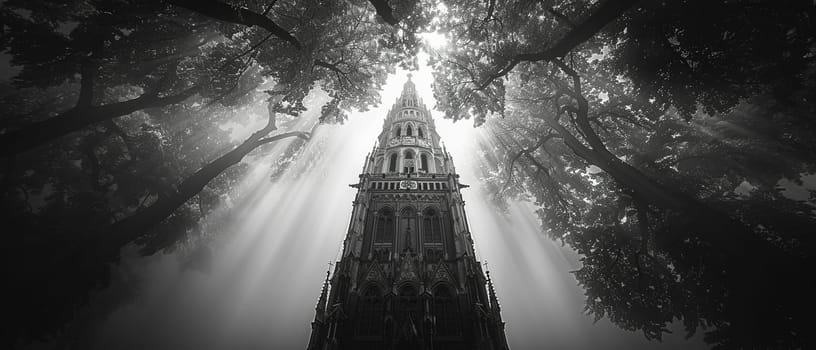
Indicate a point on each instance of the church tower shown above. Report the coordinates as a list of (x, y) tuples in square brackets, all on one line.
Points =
[(408, 277)]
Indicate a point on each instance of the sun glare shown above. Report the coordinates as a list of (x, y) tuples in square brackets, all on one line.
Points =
[(434, 40)]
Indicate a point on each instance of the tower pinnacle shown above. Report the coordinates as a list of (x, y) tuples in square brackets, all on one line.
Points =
[(320, 308)]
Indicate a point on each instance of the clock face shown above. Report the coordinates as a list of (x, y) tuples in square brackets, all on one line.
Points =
[(408, 185)]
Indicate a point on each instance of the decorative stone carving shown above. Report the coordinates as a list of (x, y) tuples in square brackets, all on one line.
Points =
[(408, 185), (407, 270), (417, 197)]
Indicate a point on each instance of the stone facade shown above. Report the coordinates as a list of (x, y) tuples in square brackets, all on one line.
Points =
[(408, 277)]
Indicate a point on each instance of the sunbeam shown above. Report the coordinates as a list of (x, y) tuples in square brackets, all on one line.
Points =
[(282, 233)]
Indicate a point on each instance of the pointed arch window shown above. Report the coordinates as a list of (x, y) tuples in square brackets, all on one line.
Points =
[(392, 163), (409, 131), (408, 228), (423, 162), (431, 226), (398, 131), (370, 312), (384, 232), (420, 133), (445, 312)]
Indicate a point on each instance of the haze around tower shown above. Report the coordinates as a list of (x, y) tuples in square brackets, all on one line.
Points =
[(261, 285)]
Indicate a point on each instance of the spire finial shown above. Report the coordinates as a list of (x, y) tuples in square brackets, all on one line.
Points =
[(409, 76), (320, 308)]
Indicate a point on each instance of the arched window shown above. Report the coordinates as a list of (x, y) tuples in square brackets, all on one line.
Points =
[(384, 232), (370, 312), (408, 165), (445, 311), (420, 133), (398, 131), (408, 228), (409, 131), (431, 226), (423, 162), (392, 163)]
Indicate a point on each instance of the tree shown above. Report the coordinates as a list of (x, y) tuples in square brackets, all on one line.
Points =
[(132, 95), (661, 240)]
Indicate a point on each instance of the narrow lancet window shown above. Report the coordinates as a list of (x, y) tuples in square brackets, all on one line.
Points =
[(408, 228), (423, 162), (431, 226), (385, 227), (392, 163)]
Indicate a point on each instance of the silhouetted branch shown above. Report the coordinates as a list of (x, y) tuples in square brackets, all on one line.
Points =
[(40, 133), (606, 13), (385, 11), (330, 66), (138, 224), (237, 15), (248, 51)]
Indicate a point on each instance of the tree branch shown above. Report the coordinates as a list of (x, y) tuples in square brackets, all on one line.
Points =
[(582, 112), (42, 132), (248, 51), (301, 134), (136, 225), (606, 13), (527, 152), (385, 11), (238, 15), (269, 7), (330, 66)]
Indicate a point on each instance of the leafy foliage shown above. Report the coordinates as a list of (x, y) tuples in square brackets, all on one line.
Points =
[(135, 97), (654, 148)]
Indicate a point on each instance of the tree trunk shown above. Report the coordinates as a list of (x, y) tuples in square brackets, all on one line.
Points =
[(42, 132)]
